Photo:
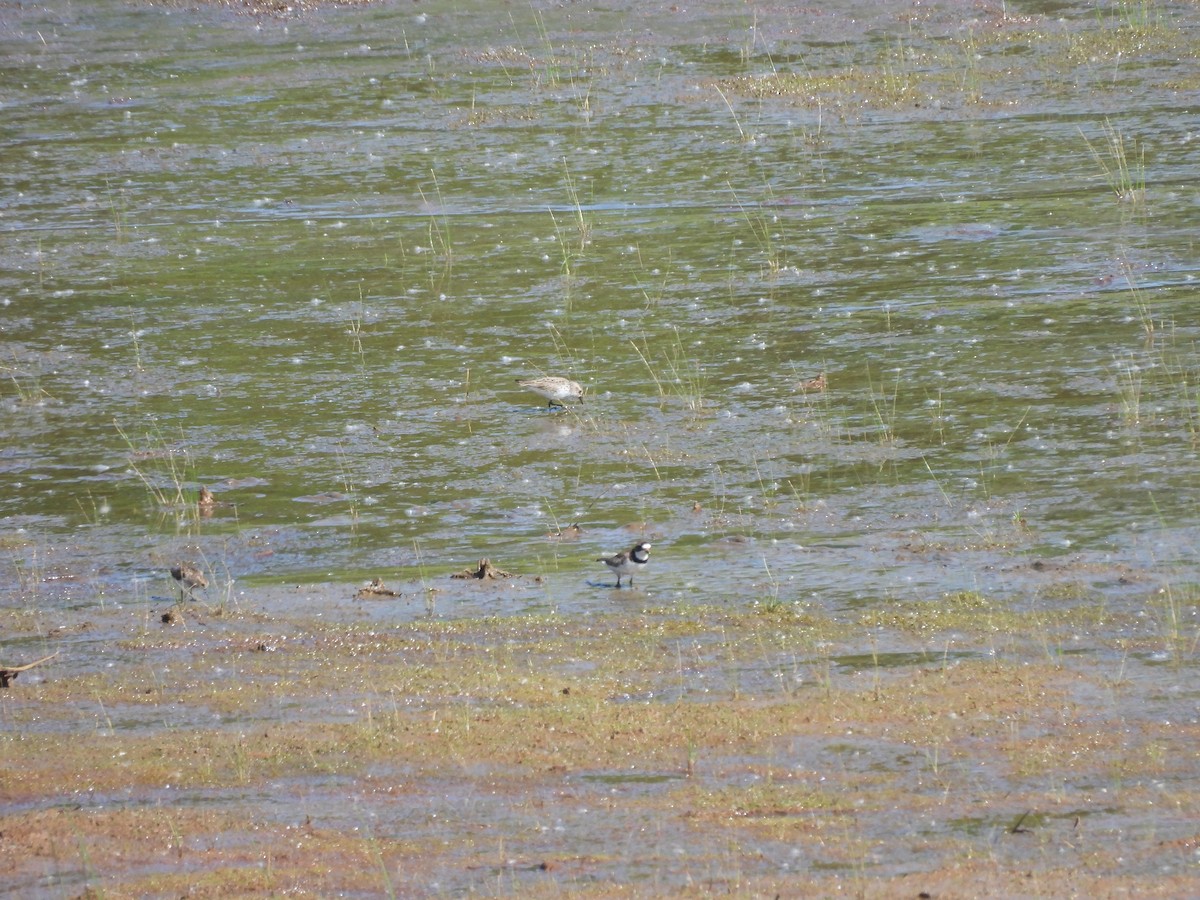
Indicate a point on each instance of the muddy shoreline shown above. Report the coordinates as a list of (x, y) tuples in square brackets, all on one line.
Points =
[(884, 331)]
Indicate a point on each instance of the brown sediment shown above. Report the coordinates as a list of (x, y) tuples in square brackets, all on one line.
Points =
[(1010, 761)]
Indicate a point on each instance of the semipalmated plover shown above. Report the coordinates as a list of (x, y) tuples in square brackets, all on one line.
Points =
[(629, 562)]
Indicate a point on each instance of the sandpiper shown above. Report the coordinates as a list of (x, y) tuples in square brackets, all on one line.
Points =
[(189, 577), (815, 385), (556, 390), (629, 562)]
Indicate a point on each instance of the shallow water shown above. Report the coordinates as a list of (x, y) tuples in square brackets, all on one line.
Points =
[(302, 260)]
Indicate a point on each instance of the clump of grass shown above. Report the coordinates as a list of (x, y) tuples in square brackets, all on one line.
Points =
[(664, 277), (682, 376), (1191, 407), (1129, 390), (99, 508), (27, 384), (1172, 610), (1133, 28), (897, 78), (770, 602), (553, 64), (572, 246), (1138, 16), (354, 329), (736, 121), (884, 409), (349, 489), (1124, 168), (117, 207), (440, 243), (1141, 304), (762, 228), (135, 336), (547, 68), (971, 82), (29, 573), (160, 467)]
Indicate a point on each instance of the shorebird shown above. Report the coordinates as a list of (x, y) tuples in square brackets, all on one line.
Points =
[(556, 390), (815, 385), (628, 562), (189, 577)]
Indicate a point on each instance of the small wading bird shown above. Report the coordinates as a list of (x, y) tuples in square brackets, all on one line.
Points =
[(627, 563), (189, 577), (556, 390), (816, 385)]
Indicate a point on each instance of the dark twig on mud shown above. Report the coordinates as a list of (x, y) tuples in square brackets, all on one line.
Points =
[(1017, 825), (9, 673)]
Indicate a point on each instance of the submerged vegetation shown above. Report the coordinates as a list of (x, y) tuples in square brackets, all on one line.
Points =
[(1003, 60)]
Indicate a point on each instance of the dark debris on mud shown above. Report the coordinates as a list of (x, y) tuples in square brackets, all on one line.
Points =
[(375, 589), (8, 674), (484, 572)]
